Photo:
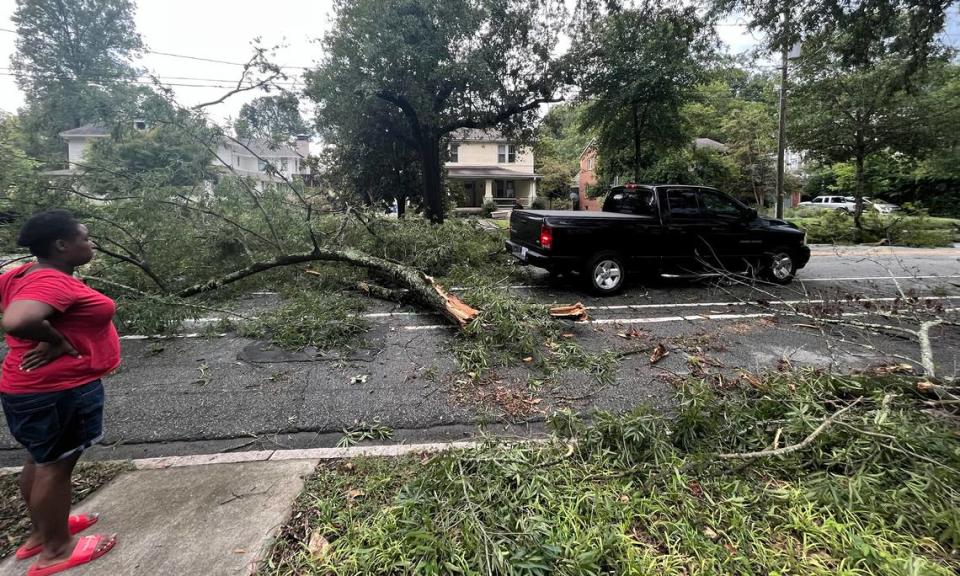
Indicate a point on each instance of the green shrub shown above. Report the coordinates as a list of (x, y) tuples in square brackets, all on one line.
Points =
[(488, 208), (831, 227), (792, 213), (538, 204)]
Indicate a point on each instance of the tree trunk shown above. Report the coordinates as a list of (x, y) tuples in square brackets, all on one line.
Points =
[(432, 190), (637, 143), (861, 185), (401, 205)]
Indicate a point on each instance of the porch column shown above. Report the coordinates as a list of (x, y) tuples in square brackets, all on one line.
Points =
[(488, 191), (532, 195)]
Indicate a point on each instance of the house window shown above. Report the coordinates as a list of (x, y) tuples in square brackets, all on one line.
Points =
[(506, 153), (262, 165), (505, 189), (454, 152), (283, 165), (590, 163)]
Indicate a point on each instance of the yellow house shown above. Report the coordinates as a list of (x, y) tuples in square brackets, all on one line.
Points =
[(491, 168)]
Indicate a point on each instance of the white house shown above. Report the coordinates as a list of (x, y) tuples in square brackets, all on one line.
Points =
[(78, 141), (259, 159), (491, 168)]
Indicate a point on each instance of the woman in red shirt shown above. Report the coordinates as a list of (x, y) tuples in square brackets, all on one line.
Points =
[(61, 341)]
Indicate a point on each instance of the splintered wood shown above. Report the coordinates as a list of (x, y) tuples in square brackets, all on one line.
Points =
[(455, 308), (576, 312)]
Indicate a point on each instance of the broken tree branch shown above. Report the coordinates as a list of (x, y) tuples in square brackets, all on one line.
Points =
[(794, 447), (926, 351), (422, 288)]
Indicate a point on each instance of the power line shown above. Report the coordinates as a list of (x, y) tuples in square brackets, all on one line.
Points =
[(190, 57), (145, 82), (161, 78), (215, 61)]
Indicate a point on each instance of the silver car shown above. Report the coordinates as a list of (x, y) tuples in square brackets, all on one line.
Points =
[(840, 203), (880, 206)]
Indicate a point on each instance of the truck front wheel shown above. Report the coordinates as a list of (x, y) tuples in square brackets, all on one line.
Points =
[(779, 267), (605, 273)]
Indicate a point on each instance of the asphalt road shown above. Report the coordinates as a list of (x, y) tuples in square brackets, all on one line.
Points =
[(200, 395)]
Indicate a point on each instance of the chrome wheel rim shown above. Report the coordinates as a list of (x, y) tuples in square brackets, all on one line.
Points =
[(781, 266), (607, 274)]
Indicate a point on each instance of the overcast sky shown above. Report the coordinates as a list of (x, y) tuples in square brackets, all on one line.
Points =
[(223, 30)]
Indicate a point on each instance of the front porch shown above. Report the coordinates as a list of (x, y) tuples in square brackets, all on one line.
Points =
[(504, 189)]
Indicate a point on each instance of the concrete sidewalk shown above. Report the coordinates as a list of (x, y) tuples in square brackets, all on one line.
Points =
[(210, 520)]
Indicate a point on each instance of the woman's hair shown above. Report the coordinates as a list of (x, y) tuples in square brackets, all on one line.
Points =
[(44, 228)]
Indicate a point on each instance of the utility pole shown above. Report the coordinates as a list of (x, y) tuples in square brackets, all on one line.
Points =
[(782, 132)]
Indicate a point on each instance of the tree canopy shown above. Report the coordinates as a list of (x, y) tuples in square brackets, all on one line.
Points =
[(440, 65), (638, 69), (272, 117), (74, 63)]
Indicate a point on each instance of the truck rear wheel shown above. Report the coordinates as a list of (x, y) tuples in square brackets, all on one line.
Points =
[(605, 273)]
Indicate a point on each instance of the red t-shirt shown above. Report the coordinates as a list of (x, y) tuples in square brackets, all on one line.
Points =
[(84, 317)]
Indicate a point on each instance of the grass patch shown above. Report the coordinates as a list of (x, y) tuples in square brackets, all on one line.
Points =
[(641, 493), (14, 523)]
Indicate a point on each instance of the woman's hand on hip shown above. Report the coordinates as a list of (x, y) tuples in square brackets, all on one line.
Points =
[(46, 352)]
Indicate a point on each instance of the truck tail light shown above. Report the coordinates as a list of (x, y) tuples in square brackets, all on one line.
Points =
[(546, 237)]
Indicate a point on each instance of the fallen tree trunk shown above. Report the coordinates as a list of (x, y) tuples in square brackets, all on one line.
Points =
[(423, 289)]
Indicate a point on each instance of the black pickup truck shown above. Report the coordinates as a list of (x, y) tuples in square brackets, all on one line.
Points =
[(657, 229)]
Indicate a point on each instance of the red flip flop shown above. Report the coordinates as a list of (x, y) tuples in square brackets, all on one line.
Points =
[(85, 551), (76, 524)]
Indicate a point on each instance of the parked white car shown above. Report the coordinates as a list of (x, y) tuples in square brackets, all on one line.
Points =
[(841, 203), (880, 206)]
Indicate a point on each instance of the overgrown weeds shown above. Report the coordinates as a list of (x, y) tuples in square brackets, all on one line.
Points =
[(643, 493)]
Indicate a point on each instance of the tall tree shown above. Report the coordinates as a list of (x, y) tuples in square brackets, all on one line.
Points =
[(73, 61), (441, 65), (368, 156), (847, 110), (856, 29), (271, 117), (639, 67), (560, 139)]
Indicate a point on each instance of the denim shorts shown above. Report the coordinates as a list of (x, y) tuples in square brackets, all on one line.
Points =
[(54, 425)]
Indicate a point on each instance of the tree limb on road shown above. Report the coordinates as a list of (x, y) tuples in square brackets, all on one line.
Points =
[(423, 289), (794, 447)]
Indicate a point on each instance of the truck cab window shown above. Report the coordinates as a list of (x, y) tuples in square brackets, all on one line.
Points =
[(716, 204), (683, 203), (636, 202)]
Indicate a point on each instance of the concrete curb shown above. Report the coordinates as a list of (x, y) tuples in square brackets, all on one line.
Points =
[(386, 450)]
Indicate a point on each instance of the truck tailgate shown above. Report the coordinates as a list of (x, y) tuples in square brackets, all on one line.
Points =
[(525, 228)]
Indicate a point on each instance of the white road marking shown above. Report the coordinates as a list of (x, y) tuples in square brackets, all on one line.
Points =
[(666, 319), (919, 277), (169, 336), (754, 303), (798, 279)]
